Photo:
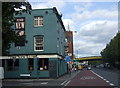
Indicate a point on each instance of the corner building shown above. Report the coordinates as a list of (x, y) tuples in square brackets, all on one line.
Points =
[(43, 54)]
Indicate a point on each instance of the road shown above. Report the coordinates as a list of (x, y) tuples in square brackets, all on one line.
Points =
[(88, 78), (108, 74), (82, 79)]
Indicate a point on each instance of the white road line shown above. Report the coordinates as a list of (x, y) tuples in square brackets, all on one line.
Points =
[(44, 83), (27, 83), (103, 78), (111, 84), (64, 82), (67, 83)]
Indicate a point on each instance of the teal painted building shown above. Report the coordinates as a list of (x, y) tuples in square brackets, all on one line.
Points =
[(44, 53)]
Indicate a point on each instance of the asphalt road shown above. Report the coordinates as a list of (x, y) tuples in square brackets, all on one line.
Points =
[(88, 78), (99, 78), (108, 74)]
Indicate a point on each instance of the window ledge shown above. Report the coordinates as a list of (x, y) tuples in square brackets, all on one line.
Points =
[(38, 26), (38, 50)]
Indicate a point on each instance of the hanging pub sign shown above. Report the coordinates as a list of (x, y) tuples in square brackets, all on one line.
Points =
[(20, 30)]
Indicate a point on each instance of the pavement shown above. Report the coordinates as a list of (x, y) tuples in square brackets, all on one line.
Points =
[(59, 82), (66, 76)]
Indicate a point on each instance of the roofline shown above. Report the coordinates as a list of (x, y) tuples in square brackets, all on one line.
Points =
[(59, 17), (43, 9)]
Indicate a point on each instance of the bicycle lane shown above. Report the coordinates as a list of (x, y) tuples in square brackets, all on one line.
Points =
[(88, 78)]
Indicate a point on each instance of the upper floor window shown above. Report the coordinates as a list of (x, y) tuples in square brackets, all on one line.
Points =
[(38, 21), (39, 43)]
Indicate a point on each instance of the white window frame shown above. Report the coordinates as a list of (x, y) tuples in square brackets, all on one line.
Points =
[(38, 21), (35, 45)]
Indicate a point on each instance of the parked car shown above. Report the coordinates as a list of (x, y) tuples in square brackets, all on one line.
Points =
[(89, 68)]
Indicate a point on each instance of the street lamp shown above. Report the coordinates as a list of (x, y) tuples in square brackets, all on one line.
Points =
[(78, 53)]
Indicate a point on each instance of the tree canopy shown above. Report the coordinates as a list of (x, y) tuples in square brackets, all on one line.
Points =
[(8, 33), (111, 53)]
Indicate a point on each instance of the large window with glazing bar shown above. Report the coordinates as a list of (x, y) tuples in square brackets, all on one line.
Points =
[(12, 64), (39, 43), (38, 21), (43, 64)]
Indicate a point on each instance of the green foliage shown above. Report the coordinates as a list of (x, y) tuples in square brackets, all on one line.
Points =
[(8, 33), (96, 62), (111, 53)]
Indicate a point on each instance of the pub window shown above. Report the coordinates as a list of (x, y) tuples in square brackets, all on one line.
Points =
[(16, 64), (38, 43), (31, 64), (12, 64), (38, 21), (43, 64)]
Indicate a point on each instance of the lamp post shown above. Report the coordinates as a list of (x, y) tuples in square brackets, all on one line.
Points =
[(78, 53)]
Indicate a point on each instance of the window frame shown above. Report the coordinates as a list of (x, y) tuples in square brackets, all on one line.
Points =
[(40, 43), (14, 66), (30, 65), (43, 64), (38, 21)]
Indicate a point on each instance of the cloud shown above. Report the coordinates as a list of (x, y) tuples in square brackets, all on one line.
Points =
[(83, 7), (68, 22), (98, 31), (49, 4), (93, 36), (83, 13), (77, 0), (95, 28), (88, 48)]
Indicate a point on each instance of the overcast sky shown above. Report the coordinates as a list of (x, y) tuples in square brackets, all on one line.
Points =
[(96, 23)]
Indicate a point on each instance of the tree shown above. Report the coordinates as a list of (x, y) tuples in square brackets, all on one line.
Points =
[(111, 53), (8, 33)]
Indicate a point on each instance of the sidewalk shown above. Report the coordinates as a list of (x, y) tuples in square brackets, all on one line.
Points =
[(69, 76), (64, 77)]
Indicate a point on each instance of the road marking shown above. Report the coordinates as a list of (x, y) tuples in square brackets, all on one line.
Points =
[(44, 83), (111, 84), (67, 83), (107, 81), (103, 78), (26, 83), (64, 82), (87, 77)]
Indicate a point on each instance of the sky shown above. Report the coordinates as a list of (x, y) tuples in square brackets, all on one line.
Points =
[(96, 23)]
